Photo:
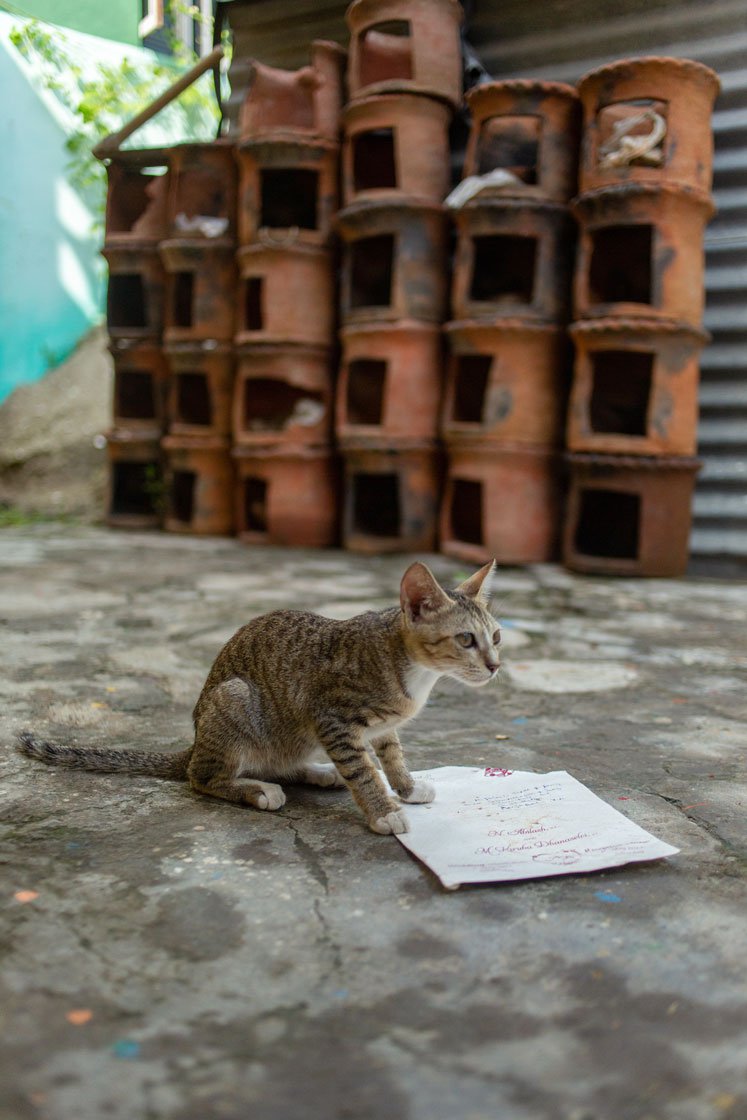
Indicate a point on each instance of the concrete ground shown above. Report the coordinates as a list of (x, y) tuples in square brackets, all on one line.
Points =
[(169, 957)]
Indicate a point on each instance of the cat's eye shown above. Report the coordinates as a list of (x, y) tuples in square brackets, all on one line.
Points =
[(497, 638), (466, 639)]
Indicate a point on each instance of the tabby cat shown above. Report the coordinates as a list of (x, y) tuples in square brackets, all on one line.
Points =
[(290, 682)]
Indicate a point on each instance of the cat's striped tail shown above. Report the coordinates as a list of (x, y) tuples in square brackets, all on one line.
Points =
[(170, 766)]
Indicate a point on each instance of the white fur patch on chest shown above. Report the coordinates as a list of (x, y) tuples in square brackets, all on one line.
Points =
[(419, 681)]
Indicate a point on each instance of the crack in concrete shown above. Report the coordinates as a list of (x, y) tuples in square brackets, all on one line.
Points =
[(706, 826), (310, 857)]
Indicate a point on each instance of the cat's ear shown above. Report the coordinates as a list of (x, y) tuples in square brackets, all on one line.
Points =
[(419, 592), (478, 585)]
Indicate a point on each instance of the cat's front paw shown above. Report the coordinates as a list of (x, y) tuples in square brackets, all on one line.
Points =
[(392, 823), (422, 792)]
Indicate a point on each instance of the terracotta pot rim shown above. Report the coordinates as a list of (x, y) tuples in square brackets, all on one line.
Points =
[(147, 431), (131, 248), (485, 90), (127, 241), (138, 344), (429, 106), (195, 443), (331, 46), (300, 248), (359, 6), (217, 346), (398, 87), (400, 204), (263, 347), (501, 326), (125, 342), (493, 447), (610, 69), (493, 318), (208, 245), (636, 189), (296, 451), (637, 325), (509, 200), (244, 344), (221, 143), (286, 138), (396, 327), (634, 462), (140, 157), (122, 436), (388, 445)]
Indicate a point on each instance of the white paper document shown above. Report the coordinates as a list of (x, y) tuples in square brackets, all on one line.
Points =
[(493, 825)]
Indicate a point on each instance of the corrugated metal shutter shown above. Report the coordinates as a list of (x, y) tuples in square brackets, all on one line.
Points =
[(562, 39)]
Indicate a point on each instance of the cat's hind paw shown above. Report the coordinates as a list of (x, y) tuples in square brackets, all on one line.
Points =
[(323, 774), (421, 793), (392, 823)]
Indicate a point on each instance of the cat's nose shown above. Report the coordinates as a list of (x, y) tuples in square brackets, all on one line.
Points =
[(492, 666)]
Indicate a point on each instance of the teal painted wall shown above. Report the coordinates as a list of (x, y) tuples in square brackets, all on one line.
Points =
[(110, 19), (50, 274), (52, 278)]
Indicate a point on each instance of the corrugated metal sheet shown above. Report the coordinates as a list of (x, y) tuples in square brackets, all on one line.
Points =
[(562, 39)]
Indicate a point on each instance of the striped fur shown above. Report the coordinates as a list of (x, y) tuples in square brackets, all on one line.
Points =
[(289, 683)]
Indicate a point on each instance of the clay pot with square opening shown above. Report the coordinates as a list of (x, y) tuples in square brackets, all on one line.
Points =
[(285, 294), (629, 516), (200, 290), (134, 498), (137, 196), (648, 120), (391, 496), (640, 253), (282, 393), (265, 100), (390, 381), (529, 129), (141, 377), (405, 46), (287, 496), (501, 502), (200, 389), (135, 293), (287, 191), (635, 388), (506, 382), (202, 191), (513, 259), (395, 262), (199, 486), (396, 145)]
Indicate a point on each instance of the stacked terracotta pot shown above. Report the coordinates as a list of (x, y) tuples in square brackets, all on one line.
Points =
[(198, 258), (644, 203), (404, 81), (135, 223), (508, 370), (288, 159)]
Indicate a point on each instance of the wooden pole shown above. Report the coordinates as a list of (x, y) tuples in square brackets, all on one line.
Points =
[(110, 144)]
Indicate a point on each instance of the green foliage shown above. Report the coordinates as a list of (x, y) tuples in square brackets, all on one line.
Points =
[(11, 517), (104, 99), (155, 488)]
